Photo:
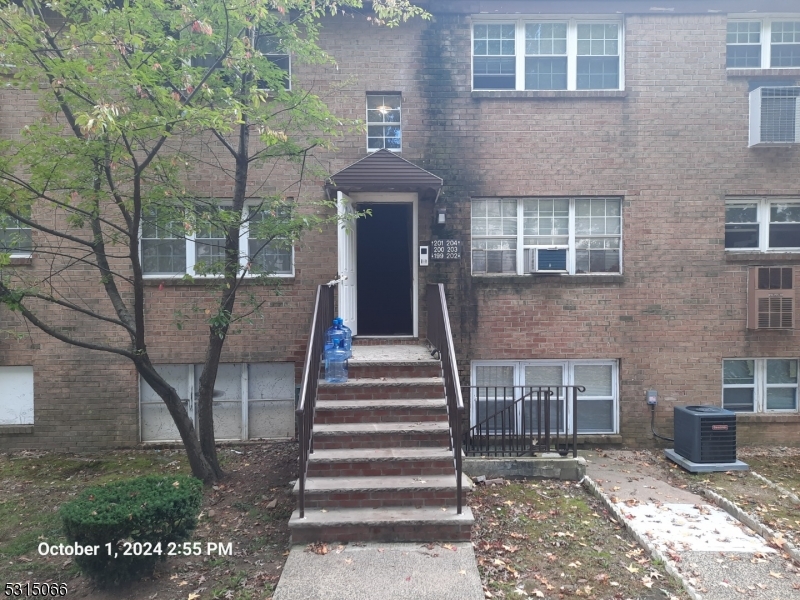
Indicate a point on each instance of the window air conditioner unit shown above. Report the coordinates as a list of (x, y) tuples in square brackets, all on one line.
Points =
[(774, 116), (705, 434), (770, 298), (546, 260)]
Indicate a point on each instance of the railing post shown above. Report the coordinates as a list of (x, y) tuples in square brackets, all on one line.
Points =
[(575, 422)]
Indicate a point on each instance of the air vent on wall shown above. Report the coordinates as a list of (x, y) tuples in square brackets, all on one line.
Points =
[(770, 298), (774, 115)]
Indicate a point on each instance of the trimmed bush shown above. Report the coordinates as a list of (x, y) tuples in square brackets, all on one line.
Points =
[(155, 510)]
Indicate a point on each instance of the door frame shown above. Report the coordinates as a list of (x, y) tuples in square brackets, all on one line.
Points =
[(343, 254)]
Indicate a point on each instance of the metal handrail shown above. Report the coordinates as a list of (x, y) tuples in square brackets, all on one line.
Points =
[(441, 337), (506, 431), (323, 315)]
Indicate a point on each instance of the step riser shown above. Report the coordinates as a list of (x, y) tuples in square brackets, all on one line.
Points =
[(377, 371), (380, 498), (380, 392), (381, 468), (381, 533), (381, 440), (379, 415)]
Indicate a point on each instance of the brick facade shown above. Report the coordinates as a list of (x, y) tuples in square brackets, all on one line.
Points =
[(672, 145)]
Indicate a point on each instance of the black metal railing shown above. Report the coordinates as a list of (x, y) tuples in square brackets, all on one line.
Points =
[(441, 337), (323, 315), (523, 420)]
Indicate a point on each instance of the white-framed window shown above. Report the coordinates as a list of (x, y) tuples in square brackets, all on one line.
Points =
[(547, 54), (497, 384), (16, 395), (766, 43), (15, 237), (759, 384), (384, 122), (762, 224), (255, 400), (169, 251), (546, 235), (269, 46)]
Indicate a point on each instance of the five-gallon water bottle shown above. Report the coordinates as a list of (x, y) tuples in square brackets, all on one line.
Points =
[(348, 336), (336, 363), (333, 334)]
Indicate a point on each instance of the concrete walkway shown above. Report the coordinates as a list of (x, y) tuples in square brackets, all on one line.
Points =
[(717, 556), (374, 571)]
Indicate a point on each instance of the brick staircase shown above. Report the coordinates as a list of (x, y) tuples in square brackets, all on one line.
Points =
[(381, 469)]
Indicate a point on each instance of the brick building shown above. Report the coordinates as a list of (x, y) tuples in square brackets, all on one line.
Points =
[(622, 183)]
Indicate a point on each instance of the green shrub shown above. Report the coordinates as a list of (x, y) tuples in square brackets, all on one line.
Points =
[(153, 510)]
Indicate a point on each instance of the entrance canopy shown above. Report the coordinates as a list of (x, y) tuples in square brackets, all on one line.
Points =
[(383, 171)]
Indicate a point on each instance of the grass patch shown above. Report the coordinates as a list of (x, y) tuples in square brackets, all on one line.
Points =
[(552, 540)]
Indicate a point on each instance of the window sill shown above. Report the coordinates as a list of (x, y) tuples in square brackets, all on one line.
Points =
[(16, 429), (761, 257), (788, 72), (768, 417), (547, 94), (542, 277), (152, 281)]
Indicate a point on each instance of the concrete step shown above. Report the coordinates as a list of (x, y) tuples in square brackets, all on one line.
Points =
[(391, 524), (380, 411), (382, 388), (377, 492), (381, 461), (382, 435)]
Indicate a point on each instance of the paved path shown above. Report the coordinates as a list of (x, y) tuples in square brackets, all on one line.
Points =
[(720, 558), (375, 571)]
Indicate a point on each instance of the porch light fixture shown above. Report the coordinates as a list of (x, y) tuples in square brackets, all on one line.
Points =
[(441, 216)]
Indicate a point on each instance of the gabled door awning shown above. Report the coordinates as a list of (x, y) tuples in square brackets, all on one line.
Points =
[(383, 171)]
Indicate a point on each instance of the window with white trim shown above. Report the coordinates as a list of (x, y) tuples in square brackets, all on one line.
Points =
[(759, 385), (496, 384), (384, 125), (16, 395), (769, 43), (557, 54), (15, 237), (762, 224), (546, 235), (255, 400), (171, 247)]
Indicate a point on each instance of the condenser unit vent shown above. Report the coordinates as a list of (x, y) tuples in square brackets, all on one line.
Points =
[(775, 115), (705, 434)]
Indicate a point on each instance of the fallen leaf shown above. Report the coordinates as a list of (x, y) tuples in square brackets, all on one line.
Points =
[(775, 575)]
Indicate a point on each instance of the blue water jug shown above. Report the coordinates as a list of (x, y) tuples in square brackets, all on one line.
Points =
[(333, 334), (336, 363), (348, 336)]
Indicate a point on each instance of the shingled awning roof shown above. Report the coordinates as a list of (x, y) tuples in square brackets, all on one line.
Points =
[(383, 171)]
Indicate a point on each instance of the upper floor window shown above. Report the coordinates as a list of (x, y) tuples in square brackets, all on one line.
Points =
[(384, 127), (762, 224), (168, 250), (763, 44), (546, 235), (15, 237), (547, 55)]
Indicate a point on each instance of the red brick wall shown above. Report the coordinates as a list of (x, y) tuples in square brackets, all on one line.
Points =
[(674, 145)]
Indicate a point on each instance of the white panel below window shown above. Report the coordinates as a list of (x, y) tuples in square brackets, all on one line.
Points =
[(16, 395)]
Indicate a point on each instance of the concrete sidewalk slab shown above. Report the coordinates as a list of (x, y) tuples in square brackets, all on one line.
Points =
[(371, 571), (717, 557)]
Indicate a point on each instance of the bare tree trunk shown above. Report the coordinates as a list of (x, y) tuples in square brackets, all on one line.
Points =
[(201, 468), (205, 403)]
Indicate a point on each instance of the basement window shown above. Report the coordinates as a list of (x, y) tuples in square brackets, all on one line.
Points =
[(759, 385)]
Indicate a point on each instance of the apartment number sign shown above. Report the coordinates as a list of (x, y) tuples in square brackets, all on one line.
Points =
[(445, 249)]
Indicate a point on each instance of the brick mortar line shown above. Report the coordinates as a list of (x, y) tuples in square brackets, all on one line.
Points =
[(793, 497), (669, 565), (753, 523)]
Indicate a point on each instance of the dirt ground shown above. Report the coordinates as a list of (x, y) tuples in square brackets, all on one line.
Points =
[(250, 509)]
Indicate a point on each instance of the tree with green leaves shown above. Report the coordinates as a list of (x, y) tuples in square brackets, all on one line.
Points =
[(134, 96)]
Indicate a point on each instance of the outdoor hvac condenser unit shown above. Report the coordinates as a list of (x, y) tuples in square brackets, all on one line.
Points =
[(705, 434)]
